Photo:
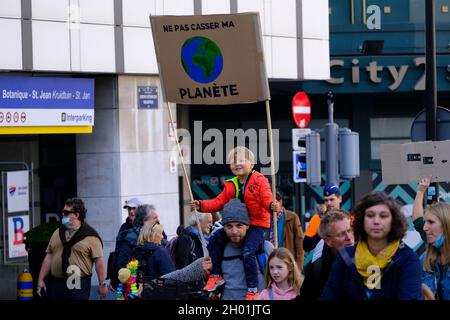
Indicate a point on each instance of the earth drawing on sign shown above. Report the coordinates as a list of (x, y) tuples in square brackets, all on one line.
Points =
[(201, 59)]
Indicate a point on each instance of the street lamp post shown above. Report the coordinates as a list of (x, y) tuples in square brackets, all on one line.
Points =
[(430, 69)]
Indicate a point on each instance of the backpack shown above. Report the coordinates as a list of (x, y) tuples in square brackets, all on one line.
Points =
[(111, 272), (142, 256), (172, 248), (113, 260), (172, 245)]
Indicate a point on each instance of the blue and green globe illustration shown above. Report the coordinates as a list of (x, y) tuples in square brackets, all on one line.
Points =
[(201, 59)]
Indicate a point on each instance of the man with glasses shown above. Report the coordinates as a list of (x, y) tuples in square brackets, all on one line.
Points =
[(336, 231), (73, 250)]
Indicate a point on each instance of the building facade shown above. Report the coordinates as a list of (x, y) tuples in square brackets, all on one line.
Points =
[(131, 152)]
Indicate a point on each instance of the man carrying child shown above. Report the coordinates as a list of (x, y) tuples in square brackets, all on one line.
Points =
[(253, 189)]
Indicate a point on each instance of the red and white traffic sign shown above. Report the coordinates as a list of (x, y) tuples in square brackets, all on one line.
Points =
[(301, 109)]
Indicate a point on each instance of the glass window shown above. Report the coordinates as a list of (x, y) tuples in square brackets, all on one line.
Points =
[(390, 127), (375, 146), (387, 131)]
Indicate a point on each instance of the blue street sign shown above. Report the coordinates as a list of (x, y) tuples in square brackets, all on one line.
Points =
[(299, 166), (46, 93), (147, 97)]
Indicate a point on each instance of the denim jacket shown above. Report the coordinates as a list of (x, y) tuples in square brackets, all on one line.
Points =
[(438, 281)]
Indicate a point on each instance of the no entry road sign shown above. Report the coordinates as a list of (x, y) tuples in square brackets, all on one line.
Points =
[(301, 109)]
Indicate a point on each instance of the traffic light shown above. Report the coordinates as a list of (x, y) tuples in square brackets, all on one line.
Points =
[(301, 143), (299, 154), (348, 154), (306, 156), (313, 168)]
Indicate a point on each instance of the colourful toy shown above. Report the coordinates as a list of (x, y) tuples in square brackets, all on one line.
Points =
[(128, 288)]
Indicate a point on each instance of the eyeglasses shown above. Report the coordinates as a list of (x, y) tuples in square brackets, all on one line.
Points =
[(67, 212), (342, 234)]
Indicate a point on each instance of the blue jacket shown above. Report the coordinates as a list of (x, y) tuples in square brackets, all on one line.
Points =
[(401, 279), (156, 257), (439, 278)]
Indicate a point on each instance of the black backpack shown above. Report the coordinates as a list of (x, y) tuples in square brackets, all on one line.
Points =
[(172, 245), (112, 271), (142, 255), (113, 263)]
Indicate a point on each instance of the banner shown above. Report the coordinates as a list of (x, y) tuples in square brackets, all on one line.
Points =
[(211, 59), (17, 226), (18, 198)]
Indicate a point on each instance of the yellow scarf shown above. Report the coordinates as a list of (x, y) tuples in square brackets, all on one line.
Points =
[(370, 267)]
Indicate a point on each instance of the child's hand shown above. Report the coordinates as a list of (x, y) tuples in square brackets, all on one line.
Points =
[(424, 184), (275, 206), (195, 205)]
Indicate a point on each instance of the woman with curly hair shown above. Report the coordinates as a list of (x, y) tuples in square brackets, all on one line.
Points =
[(380, 266)]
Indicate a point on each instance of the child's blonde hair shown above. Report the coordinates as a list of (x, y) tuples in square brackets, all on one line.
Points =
[(149, 231), (294, 277), (240, 152)]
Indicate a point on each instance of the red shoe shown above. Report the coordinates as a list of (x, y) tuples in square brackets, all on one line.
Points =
[(252, 295), (213, 283)]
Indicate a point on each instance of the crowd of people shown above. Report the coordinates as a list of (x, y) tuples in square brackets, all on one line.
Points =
[(357, 255)]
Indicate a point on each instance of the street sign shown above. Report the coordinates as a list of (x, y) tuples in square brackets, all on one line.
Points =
[(301, 109), (299, 166), (147, 97)]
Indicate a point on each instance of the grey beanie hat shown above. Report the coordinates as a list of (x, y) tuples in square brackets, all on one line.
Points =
[(235, 211)]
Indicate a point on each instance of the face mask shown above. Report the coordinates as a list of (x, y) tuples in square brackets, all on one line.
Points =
[(439, 242), (65, 221)]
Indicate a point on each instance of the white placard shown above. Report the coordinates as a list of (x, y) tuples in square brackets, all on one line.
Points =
[(17, 190), (17, 226)]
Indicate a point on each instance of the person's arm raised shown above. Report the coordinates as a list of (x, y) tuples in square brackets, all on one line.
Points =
[(417, 210)]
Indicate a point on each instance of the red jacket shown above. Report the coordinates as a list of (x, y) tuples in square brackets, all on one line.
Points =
[(257, 197)]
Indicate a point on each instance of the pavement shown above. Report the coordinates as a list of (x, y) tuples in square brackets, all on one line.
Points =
[(94, 294)]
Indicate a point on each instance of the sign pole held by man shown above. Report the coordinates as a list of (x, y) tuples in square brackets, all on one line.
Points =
[(272, 173), (180, 153)]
